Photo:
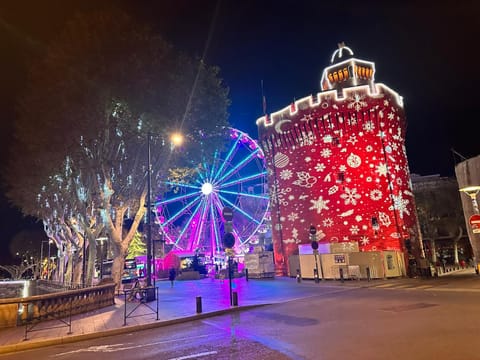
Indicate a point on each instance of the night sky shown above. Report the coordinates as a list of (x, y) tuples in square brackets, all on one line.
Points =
[(427, 51)]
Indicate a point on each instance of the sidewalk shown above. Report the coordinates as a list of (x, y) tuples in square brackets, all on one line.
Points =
[(175, 304), (179, 304)]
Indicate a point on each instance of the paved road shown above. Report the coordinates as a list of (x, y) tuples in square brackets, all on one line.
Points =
[(362, 323)]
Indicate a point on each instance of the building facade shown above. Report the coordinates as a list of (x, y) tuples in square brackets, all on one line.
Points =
[(442, 224), (337, 162)]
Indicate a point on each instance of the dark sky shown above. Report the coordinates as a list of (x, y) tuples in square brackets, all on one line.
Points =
[(425, 50)]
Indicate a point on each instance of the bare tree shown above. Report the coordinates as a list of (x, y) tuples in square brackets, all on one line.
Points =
[(79, 160)]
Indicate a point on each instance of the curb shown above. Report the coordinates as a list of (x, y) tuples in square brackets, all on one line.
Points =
[(25, 345)]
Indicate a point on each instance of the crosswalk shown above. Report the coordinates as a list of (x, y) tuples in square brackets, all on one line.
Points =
[(422, 287), (395, 286)]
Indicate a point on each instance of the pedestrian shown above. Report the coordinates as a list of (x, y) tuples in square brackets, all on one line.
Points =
[(171, 275)]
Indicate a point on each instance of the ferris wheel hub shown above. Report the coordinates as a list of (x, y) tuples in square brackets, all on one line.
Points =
[(207, 188)]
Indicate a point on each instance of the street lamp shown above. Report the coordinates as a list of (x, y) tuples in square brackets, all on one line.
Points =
[(176, 140), (472, 191)]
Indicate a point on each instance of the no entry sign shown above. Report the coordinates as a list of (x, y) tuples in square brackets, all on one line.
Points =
[(227, 213), (475, 223)]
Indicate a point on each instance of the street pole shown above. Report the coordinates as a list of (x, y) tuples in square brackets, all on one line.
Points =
[(41, 259), (315, 252), (84, 259), (48, 260), (154, 262), (230, 279), (101, 261), (149, 215)]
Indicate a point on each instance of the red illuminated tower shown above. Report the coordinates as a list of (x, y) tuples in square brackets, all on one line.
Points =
[(337, 161)]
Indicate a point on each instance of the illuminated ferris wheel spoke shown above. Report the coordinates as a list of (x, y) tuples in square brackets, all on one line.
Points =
[(202, 173), (199, 229), (228, 158), (244, 179), (212, 169), (235, 207), (263, 197), (182, 211), (176, 199), (241, 164), (181, 185), (187, 225)]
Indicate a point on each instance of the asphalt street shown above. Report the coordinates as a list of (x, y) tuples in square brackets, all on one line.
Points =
[(379, 322)]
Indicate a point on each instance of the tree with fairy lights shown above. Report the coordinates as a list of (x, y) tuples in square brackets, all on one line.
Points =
[(79, 158)]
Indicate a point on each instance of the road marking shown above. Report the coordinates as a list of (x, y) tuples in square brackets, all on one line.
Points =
[(121, 347), (385, 285), (424, 287), (453, 289), (194, 356)]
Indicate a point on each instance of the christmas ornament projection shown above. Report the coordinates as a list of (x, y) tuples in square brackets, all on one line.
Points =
[(337, 161)]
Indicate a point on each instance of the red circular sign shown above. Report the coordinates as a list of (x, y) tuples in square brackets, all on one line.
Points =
[(227, 213), (475, 223)]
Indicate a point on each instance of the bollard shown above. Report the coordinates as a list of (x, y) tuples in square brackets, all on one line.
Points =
[(299, 278), (235, 298), (368, 274), (246, 274), (199, 304), (341, 275)]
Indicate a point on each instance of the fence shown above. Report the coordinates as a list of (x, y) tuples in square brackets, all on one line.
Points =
[(32, 310)]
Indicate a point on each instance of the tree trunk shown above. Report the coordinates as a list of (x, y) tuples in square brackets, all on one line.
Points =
[(92, 254), (120, 250)]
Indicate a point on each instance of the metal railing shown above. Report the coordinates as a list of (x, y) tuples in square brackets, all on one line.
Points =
[(29, 311)]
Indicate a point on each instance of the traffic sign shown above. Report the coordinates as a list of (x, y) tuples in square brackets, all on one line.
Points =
[(475, 223), (227, 213), (312, 230), (228, 240), (315, 245)]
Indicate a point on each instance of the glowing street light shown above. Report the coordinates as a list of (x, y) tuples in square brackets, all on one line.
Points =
[(472, 191), (176, 140)]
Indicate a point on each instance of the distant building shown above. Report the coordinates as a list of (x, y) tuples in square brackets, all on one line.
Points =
[(441, 219), (337, 161)]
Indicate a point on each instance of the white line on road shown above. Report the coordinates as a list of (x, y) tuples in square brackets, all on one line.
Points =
[(122, 347), (194, 356)]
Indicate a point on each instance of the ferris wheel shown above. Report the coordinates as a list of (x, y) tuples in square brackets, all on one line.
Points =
[(190, 214)]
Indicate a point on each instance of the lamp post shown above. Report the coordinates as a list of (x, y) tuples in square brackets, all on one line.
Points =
[(149, 215), (48, 260), (84, 259), (101, 240), (472, 192), (176, 139), (41, 257)]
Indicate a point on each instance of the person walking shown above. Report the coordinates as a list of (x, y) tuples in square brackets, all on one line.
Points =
[(171, 275)]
